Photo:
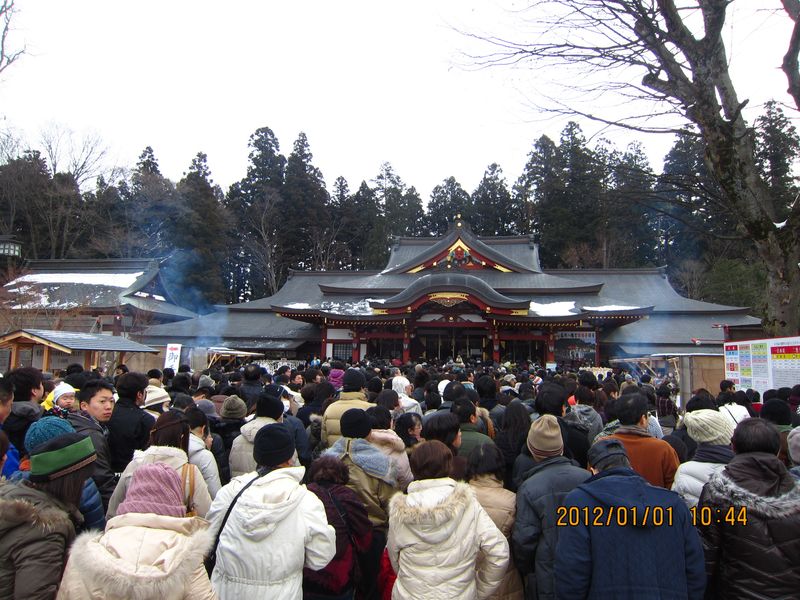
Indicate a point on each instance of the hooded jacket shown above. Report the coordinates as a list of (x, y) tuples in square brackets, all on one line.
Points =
[(642, 561), (583, 414), (436, 534), (129, 429), (140, 556), (35, 532), (543, 489), (275, 529), (692, 475), (23, 414), (388, 442), (241, 458), (759, 559), (172, 457)]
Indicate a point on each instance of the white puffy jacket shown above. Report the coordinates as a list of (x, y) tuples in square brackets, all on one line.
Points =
[(690, 478), (241, 456), (436, 533), (276, 528), (202, 458)]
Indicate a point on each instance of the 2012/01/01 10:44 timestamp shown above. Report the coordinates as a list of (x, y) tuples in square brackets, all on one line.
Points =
[(728, 515)]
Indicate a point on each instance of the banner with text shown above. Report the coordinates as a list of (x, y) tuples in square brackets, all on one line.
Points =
[(763, 364)]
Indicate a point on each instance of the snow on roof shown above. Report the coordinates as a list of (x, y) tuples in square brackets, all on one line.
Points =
[(612, 307), (120, 280), (298, 305), (32, 298), (554, 309)]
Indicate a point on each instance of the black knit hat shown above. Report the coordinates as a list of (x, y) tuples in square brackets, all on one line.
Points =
[(355, 423), (270, 406), (353, 381), (274, 445)]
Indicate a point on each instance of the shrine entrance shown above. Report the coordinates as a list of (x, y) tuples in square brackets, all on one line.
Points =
[(446, 343)]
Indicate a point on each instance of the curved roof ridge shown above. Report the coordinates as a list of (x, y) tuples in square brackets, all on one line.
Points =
[(451, 282)]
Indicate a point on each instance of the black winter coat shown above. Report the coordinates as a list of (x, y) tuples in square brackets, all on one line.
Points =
[(103, 475), (535, 533), (762, 558), (128, 430)]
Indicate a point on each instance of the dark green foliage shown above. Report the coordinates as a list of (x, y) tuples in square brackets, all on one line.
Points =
[(448, 199), (492, 210)]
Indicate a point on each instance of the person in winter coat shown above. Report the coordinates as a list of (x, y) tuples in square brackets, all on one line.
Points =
[(749, 520), (336, 375), (543, 489), (129, 425), (777, 412), (346, 513), (169, 442), (322, 392), (445, 427), (551, 399), (269, 409), (485, 472), (275, 527), (352, 396), (229, 425), (437, 533), (96, 401), (511, 439), (653, 459), (91, 504), (466, 412), (372, 477), (198, 451), (584, 414), (793, 441), (149, 550), (387, 441), (712, 431), (38, 517), (403, 387), (26, 407), (647, 558)]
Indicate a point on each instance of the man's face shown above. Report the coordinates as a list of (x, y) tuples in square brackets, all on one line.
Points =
[(100, 405), (298, 379), (37, 393)]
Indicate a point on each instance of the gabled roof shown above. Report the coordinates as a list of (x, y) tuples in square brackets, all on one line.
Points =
[(460, 231), (68, 341), (451, 282)]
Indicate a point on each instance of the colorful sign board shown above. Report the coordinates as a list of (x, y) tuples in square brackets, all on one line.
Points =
[(763, 364)]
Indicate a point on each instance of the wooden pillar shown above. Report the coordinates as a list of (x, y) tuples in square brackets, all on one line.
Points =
[(46, 358), (596, 347), (406, 346), (14, 356), (324, 344), (356, 347), (88, 355), (495, 344)]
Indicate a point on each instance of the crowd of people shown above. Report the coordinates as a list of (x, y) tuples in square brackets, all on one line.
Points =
[(339, 481)]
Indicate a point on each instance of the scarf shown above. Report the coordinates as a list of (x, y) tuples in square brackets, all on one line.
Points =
[(365, 456), (634, 430)]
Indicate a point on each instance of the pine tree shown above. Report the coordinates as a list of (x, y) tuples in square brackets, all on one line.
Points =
[(538, 186), (492, 204), (448, 199), (777, 151)]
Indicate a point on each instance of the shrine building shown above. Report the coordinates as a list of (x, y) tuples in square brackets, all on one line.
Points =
[(486, 298)]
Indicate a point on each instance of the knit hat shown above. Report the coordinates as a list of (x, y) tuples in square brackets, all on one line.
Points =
[(355, 423), (270, 406), (509, 378), (155, 488), (155, 395), (603, 450), (46, 429), (61, 456), (709, 426), (233, 408), (353, 381), (206, 382), (61, 389), (794, 445), (273, 445), (544, 438), (207, 406)]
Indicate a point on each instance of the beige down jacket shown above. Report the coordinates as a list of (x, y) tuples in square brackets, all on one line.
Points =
[(501, 506), (139, 557), (172, 457), (241, 457), (388, 442), (436, 534), (331, 429)]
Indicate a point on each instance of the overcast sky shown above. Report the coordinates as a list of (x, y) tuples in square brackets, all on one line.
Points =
[(368, 82)]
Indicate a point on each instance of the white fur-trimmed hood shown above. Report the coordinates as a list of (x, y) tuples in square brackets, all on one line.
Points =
[(139, 557), (433, 508)]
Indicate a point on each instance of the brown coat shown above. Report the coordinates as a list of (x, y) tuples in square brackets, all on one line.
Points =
[(653, 459), (501, 506), (35, 532)]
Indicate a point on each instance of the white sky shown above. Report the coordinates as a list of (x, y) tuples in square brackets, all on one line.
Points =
[(367, 82)]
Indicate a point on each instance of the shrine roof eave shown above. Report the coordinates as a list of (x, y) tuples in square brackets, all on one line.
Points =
[(320, 316), (450, 282), (459, 231), (534, 291)]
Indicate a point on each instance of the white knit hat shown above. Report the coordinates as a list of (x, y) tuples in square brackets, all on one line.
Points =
[(61, 389), (709, 426)]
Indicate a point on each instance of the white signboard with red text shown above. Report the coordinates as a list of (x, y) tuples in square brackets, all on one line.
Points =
[(172, 358), (763, 364)]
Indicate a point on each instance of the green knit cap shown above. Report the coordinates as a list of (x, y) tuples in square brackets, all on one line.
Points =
[(61, 456)]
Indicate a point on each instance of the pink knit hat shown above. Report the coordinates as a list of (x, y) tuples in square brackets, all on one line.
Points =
[(156, 489)]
